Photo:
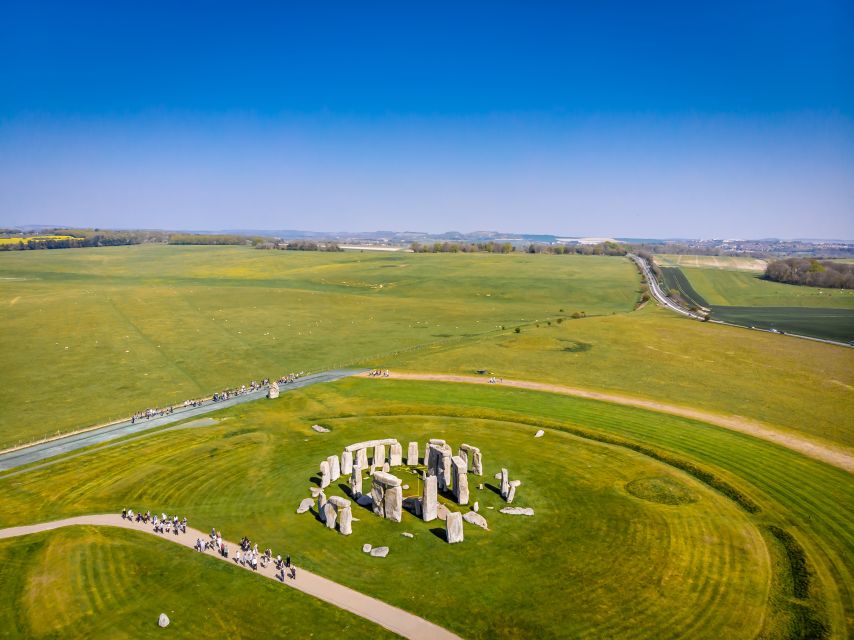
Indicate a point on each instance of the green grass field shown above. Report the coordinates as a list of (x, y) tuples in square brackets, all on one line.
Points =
[(114, 330), (603, 556), (89, 582)]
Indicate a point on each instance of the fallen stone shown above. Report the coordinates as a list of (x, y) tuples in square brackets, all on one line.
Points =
[(454, 527), (476, 519), (498, 476), (406, 486), (517, 511), (515, 483), (163, 620), (305, 505), (475, 507), (319, 429), (379, 552), (539, 434), (406, 534), (366, 548)]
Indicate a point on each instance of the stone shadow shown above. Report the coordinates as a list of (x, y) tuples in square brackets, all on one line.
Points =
[(439, 533), (492, 488)]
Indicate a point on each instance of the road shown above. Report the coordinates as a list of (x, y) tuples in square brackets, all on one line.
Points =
[(89, 437), (656, 291), (392, 618)]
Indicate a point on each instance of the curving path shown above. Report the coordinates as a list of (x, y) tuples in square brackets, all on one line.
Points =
[(396, 620), (837, 457)]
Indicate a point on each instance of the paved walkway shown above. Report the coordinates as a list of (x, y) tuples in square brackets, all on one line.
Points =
[(396, 620), (97, 435), (835, 456)]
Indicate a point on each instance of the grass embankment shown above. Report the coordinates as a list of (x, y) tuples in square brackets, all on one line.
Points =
[(596, 559), (88, 582), (114, 330), (795, 384)]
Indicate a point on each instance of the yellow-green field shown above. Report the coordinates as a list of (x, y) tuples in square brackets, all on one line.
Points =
[(711, 262)]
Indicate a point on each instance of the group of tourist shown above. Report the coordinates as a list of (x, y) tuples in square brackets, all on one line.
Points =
[(247, 555), (148, 414), (163, 524), (243, 389), (291, 377), (379, 373), (494, 380)]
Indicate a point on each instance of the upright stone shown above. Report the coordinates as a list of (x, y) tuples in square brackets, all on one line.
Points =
[(330, 515), (378, 497), (334, 468), (324, 474), (273, 391), (362, 458), (395, 455), (445, 470), (464, 454), (394, 503), (346, 462), (356, 481), (476, 463), (345, 521), (412, 454), (461, 483), (321, 502), (505, 483), (454, 527), (379, 454), (429, 499)]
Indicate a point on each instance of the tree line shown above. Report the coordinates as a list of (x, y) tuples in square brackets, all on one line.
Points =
[(602, 249), (812, 273)]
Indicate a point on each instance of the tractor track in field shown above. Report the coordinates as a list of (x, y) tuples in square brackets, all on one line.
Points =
[(834, 456), (403, 623)]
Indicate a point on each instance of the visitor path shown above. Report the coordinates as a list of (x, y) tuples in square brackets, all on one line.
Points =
[(837, 457), (96, 435), (396, 620)]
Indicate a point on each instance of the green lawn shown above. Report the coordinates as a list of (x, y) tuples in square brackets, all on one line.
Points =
[(598, 558), (89, 335), (87, 582)]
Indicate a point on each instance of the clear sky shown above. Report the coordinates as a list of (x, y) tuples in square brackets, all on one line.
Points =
[(654, 119)]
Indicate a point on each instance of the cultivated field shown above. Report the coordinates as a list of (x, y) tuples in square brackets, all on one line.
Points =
[(110, 331), (711, 262), (646, 525)]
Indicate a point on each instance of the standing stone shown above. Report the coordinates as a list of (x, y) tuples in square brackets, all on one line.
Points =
[(386, 467), (334, 468), (356, 481), (345, 521), (321, 502), (324, 474), (464, 454), (362, 458), (379, 454), (394, 503), (412, 454), (378, 497), (329, 515), (273, 391), (429, 499), (395, 455), (505, 483), (445, 471), (476, 506), (476, 463), (346, 463), (427, 456), (454, 527), (461, 481), (511, 492)]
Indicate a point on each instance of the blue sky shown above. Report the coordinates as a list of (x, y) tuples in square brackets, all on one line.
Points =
[(627, 119)]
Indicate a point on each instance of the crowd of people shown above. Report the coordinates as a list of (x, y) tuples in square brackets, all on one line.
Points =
[(494, 380), (291, 377), (379, 373), (246, 555)]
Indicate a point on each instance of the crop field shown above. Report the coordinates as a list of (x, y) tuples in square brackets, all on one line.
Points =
[(674, 279), (116, 330), (711, 262), (645, 525)]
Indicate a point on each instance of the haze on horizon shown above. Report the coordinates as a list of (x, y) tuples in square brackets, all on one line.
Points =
[(667, 120)]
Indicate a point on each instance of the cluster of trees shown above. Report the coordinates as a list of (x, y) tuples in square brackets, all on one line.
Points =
[(76, 238), (601, 249), (463, 247), (213, 238), (835, 275), (300, 245)]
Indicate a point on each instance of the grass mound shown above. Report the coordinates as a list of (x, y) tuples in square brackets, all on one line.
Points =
[(663, 489)]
